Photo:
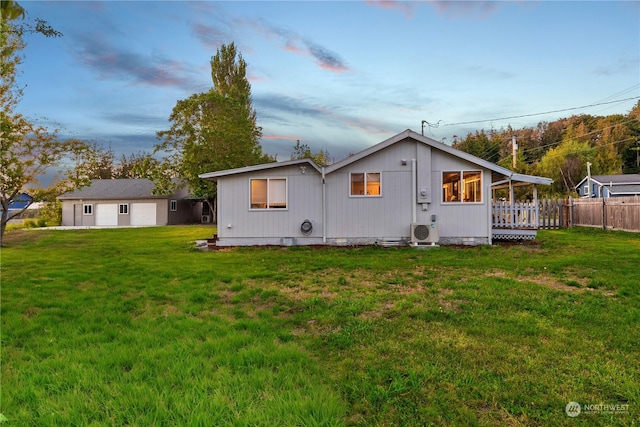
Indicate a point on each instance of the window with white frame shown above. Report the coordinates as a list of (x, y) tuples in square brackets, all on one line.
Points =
[(173, 205), (462, 186), (123, 208), (365, 184), (269, 193), (87, 209)]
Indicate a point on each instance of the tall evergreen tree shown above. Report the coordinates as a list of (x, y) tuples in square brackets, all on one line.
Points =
[(212, 130)]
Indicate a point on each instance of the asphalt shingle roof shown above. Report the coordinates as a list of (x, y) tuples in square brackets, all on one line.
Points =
[(111, 189)]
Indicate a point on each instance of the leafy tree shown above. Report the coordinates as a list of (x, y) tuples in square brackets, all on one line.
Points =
[(566, 165), (302, 151), (211, 131), (136, 165), (27, 150), (10, 10), (480, 145)]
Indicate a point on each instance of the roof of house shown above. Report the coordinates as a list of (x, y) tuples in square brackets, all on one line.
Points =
[(260, 167), (611, 180), (624, 189), (506, 173), (114, 189)]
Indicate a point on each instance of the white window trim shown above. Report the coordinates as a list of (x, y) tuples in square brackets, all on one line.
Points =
[(173, 205), (126, 209), (84, 209), (286, 193), (360, 196), (461, 201)]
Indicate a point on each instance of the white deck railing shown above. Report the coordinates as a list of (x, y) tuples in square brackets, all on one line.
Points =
[(515, 215)]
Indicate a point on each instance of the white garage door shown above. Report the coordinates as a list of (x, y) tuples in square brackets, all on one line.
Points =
[(106, 214), (143, 214)]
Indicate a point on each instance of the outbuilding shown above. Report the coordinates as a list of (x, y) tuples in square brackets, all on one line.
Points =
[(129, 202)]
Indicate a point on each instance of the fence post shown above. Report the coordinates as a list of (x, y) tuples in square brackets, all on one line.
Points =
[(604, 214)]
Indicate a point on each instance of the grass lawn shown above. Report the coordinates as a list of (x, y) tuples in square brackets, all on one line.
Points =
[(137, 327)]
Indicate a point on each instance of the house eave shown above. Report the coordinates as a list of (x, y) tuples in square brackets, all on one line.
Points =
[(265, 166)]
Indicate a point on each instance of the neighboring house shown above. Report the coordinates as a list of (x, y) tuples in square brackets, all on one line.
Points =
[(128, 202), (610, 185), (407, 188), (18, 204)]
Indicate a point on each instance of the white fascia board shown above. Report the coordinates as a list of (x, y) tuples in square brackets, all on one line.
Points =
[(263, 166)]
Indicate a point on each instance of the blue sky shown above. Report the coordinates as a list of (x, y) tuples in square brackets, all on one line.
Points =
[(337, 75)]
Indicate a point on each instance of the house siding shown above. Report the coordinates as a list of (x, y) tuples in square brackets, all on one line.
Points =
[(373, 218), (240, 225), (404, 198), (72, 214), (459, 223)]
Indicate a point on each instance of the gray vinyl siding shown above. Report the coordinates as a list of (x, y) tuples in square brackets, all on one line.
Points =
[(460, 220), (386, 216), (390, 215), (72, 211), (304, 201)]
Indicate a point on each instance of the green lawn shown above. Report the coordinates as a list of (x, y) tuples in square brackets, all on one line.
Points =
[(137, 327)]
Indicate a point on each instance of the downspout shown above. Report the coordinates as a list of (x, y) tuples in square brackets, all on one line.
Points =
[(414, 197), (324, 209)]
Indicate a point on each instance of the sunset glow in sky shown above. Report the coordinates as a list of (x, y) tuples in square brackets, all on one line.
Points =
[(337, 75)]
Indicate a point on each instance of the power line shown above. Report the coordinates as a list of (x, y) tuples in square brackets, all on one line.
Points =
[(539, 114)]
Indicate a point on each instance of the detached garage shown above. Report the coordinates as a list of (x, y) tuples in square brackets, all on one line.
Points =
[(128, 202)]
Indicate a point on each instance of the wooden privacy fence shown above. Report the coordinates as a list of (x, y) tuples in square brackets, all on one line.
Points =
[(612, 213)]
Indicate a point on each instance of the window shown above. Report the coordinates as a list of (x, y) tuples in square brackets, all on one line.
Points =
[(463, 186), (123, 208), (173, 205), (365, 184), (269, 193), (87, 209)]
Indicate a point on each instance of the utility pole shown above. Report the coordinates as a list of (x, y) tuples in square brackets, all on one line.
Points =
[(514, 149), (589, 179)]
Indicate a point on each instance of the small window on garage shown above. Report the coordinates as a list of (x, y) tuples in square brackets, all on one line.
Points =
[(123, 208), (174, 206), (87, 209)]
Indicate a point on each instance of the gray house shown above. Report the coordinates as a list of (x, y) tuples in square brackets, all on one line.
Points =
[(408, 188), (609, 185), (128, 202)]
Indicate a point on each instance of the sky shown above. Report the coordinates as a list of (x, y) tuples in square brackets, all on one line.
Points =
[(339, 76)]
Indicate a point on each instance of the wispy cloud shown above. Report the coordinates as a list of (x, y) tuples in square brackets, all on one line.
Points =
[(406, 8), (279, 109), (622, 65), (451, 8), (211, 36), (293, 42), (326, 59), (117, 63), (459, 9)]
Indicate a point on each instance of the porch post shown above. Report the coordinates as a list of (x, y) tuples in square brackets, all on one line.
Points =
[(537, 209), (512, 205)]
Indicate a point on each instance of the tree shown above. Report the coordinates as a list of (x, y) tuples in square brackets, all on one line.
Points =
[(480, 145), (10, 10), (26, 149), (566, 164), (211, 131), (302, 151)]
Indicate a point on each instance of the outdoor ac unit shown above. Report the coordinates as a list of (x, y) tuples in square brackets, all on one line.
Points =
[(205, 218), (424, 233)]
